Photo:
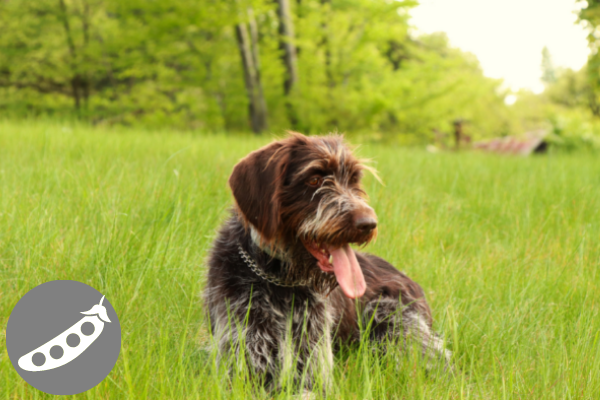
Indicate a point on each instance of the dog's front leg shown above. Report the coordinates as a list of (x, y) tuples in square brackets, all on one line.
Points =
[(247, 336), (307, 355)]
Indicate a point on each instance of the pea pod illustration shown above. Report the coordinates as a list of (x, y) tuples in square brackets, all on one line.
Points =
[(68, 345)]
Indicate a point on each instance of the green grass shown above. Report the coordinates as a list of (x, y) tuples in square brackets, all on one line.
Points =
[(506, 249)]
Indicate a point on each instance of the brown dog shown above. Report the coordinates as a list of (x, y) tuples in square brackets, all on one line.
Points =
[(284, 282)]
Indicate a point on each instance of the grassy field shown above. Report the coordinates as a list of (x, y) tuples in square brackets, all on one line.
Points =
[(505, 248)]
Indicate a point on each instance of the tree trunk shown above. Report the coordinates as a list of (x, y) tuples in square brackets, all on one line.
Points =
[(248, 46), (75, 80), (288, 55), (326, 44), (85, 23)]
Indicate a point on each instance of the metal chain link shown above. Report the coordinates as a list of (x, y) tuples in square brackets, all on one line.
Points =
[(266, 276)]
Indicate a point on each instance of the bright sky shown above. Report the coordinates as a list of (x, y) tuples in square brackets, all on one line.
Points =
[(507, 36)]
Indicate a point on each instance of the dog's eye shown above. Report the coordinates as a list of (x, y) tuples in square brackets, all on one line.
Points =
[(355, 178), (315, 181)]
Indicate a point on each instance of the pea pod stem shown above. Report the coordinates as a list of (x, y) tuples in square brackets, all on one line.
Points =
[(99, 310)]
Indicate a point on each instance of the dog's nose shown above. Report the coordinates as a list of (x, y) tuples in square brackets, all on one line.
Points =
[(365, 223)]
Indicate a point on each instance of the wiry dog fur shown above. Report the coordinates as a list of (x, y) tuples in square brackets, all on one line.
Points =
[(290, 195)]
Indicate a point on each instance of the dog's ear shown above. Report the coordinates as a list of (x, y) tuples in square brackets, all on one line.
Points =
[(256, 183)]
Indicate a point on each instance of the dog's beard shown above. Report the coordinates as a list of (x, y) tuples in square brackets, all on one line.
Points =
[(326, 224), (326, 236), (304, 268), (298, 265)]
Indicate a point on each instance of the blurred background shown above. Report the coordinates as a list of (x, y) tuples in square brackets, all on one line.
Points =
[(443, 72)]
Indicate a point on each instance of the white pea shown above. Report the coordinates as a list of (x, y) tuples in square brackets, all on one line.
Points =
[(68, 345)]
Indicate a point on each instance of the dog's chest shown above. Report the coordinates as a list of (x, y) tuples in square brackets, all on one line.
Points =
[(303, 314)]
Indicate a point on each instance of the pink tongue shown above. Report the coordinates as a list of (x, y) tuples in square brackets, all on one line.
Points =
[(348, 272)]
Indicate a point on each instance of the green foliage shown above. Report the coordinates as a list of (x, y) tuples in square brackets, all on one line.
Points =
[(566, 110), (176, 63), (548, 68), (575, 129), (445, 84), (505, 249), (590, 16), (571, 89)]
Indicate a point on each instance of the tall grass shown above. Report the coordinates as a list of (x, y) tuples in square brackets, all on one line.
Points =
[(505, 248)]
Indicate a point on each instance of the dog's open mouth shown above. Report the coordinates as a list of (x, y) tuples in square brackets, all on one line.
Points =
[(343, 263)]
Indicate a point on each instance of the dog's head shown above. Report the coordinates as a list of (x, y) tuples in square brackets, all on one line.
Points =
[(307, 190)]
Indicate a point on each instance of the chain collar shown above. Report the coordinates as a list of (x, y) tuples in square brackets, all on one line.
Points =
[(266, 276)]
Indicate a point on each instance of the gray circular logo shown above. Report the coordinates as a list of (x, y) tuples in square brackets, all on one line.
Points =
[(63, 337)]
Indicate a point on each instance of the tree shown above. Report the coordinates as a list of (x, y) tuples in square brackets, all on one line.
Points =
[(249, 53), (44, 39), (548, 68), (313, 65), (590, 15), (288, 55)]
